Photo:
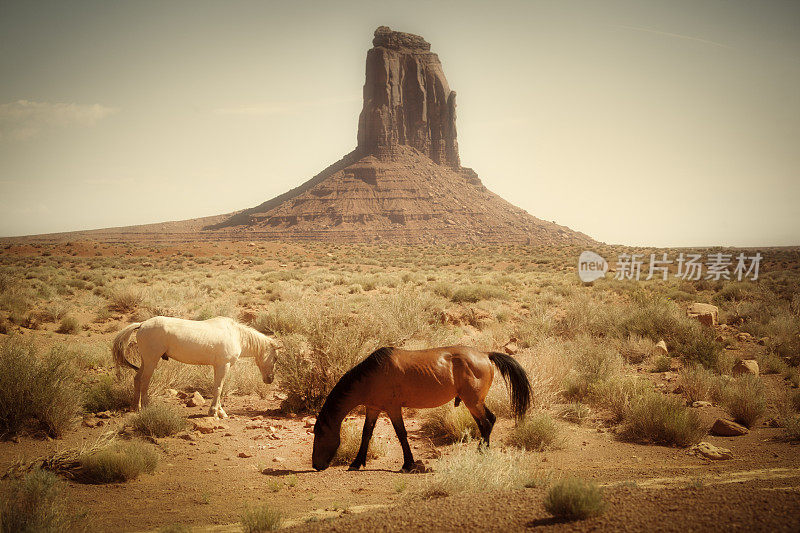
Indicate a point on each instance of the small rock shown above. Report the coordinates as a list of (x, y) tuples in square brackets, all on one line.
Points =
[(511, 348), (172, 392), (727, 428), (745, 366), (182, 395), (309, 422), (278, 459), (744, 337), (203, 425), (245, 455), (196, 400), (185, 435), (91, 422), (661, 348), (280, 396), (103, 414), (701, 403), (707, 314), (709, 451)]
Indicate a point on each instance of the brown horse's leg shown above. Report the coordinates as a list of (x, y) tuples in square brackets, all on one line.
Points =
[(485, 420), (396, 416), (366, 435)]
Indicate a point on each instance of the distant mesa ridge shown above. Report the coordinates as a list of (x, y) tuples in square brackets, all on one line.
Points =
[(404, 181)]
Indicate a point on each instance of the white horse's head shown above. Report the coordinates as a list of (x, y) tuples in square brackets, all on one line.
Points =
[(266, 359)]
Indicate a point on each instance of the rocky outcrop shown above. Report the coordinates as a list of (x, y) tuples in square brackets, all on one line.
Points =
[(407, 100)]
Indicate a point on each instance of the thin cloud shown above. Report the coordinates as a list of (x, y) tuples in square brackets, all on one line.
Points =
[(280, 108), (676, 35), (24, 119)]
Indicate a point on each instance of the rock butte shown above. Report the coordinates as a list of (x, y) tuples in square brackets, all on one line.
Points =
[(403, 183)]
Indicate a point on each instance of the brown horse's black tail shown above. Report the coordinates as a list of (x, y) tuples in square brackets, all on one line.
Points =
[(519, 388)]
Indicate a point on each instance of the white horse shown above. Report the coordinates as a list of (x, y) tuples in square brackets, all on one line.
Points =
[(219, 342)]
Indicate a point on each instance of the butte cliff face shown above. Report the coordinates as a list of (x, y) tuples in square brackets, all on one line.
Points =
[(404, 182), (407, 100)]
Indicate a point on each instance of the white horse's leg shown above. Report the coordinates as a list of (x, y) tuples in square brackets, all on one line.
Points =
[(148, 367), (220, 371), (137, 392)]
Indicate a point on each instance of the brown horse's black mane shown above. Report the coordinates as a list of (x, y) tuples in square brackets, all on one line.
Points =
[(366, 368)]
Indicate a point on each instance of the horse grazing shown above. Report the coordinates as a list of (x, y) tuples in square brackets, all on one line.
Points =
[(391, 378), (219, 342)]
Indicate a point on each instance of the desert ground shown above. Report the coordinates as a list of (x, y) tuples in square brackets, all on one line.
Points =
[(610, 407)]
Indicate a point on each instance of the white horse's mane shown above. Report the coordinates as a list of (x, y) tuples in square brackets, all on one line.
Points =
[(255, 342)]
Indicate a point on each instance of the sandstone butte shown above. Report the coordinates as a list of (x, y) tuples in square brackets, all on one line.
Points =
[(403, 183)]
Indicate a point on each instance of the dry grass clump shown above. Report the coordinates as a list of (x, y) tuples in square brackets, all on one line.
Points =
[(467, 469), (124, 300), (574, 499), (744, 399), (36, 392), (662, 363), (118, 462), (636, 348), (593, 362), (351, 442), (158, 420), (449, 424), (35, 503), (69, 325), (698, 383), (657, 419), (261, 518), (108, 394), (476, 293), (575, 412), (536, 432), (617, 393)]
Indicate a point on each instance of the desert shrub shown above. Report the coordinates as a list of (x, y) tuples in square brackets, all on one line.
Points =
[(636, 348), (771, 363), (531, 329), (261, 518), (449, 424), (536, 432), (175, 528), (574, 499), (617, 393), (468, 469), (118, 462), (792, 428), (36, 392), (575, 412), (654, 418), (698, 382), (35, 504), (744, 399), (351, 442), (108, 394), (662, 363), (593, 362), (69, 325), (475, 293), (158, 420), (124, 300), (244, 378)]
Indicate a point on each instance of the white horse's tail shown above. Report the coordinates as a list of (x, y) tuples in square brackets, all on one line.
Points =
[(120, 346)]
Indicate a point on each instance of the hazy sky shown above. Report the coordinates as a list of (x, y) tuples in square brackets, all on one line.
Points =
[(671, 123)]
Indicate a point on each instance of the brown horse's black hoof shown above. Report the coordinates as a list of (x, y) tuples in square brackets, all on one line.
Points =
[(417, 467)]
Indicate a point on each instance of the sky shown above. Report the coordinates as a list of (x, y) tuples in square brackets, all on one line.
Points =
[(658, 123)]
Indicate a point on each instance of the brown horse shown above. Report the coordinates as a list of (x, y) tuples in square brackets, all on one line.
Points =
[(391, 378)]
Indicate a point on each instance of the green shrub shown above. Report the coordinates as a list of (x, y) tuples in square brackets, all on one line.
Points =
[(36, 392), (744, 399), (260, 519), (654, 418), (108, 394), (35, 504), (449, 424), (574, 499), (351, 442), (536, 432), (118, 462), (158, 420)]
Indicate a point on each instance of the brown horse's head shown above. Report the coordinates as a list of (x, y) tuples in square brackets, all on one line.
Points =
[(326, 442)]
